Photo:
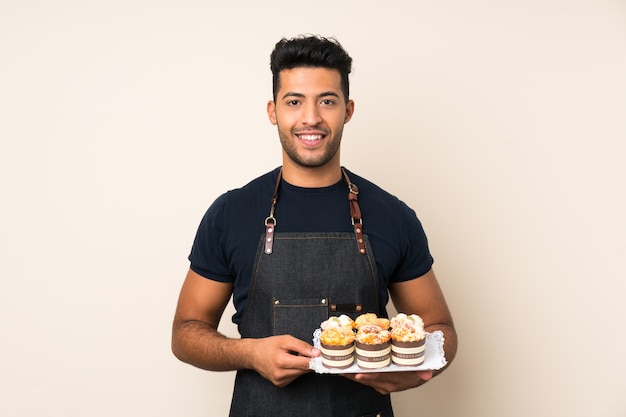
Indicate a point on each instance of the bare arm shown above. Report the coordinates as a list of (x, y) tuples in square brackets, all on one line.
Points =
[(421, 296), (195, 339)]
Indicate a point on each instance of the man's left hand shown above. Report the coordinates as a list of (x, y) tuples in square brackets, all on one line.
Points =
[(388, 382)]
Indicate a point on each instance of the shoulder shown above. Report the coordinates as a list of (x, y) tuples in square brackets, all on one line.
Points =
[(237, 202), (391, 214), (397, 236), (370, 194), (261, 186)]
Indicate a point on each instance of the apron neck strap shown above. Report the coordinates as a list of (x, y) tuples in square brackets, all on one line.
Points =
[(355, 214)]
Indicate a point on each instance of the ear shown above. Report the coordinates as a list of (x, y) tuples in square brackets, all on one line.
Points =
[(271, 111), (349, 111)]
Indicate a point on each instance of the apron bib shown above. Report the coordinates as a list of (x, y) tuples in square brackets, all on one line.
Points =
[(302, 280)]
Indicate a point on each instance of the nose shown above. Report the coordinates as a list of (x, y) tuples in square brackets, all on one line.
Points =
[(311, 115)]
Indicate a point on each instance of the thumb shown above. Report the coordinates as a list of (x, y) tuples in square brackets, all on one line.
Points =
[(298, 347), (425, 375)]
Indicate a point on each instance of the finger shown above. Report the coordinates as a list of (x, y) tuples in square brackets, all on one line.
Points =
[(425, 375), (297, 362), (298, 347), (294, 361)]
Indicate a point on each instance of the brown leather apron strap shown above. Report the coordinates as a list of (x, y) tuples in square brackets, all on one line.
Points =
[(270, 221), (355, 214)]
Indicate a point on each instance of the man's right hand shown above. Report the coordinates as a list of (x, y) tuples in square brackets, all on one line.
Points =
[(281, 359), (195, 339)]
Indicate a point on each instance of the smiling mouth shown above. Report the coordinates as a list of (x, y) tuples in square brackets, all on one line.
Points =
[(309, 137)]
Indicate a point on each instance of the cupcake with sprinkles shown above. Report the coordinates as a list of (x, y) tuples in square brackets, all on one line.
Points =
[(408, 340), (337, 342), (373, 341)]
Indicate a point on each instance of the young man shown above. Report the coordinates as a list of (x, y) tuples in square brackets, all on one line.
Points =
[(298, 244)]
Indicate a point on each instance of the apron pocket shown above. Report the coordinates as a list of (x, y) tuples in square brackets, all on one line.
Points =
[(299, 317)]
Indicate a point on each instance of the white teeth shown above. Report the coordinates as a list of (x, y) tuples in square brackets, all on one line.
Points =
[(310, 137)]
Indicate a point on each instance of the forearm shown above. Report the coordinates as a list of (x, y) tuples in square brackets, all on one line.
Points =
[(199, 344), (279, 359)]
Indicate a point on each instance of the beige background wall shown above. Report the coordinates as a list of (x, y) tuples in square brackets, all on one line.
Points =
[(501, 122)]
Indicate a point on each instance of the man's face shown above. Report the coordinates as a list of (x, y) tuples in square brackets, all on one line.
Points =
[(310, 111)]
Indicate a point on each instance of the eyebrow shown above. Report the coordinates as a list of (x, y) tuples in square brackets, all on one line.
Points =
[(324, 94)]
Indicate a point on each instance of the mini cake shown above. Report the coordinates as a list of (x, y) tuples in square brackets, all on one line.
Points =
[(337, 342), (408, 340), (373, 345)]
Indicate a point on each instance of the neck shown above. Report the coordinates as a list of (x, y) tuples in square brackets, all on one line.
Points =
[(307, 177)]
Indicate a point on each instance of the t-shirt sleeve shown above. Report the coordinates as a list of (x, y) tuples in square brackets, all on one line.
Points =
[(207, 257), (417, 259)]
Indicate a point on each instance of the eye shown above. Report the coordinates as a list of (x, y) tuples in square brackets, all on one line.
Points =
[(293, 102), (328, 102)]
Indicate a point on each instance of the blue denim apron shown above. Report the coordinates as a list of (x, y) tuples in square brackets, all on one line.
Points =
[(299, 280)]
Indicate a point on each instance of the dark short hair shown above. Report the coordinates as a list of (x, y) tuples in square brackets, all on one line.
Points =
[(310, 51)]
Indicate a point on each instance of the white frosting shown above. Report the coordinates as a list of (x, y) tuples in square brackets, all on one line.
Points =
[(341, 321), (407, 328), (412, 322)]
